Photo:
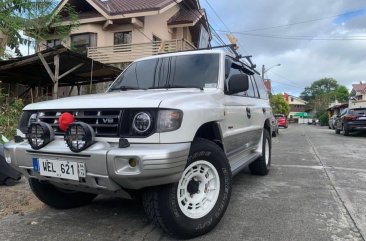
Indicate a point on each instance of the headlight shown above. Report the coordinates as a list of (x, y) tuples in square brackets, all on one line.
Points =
[(39, 135), (141, 122), (169, 120), (79, 136)]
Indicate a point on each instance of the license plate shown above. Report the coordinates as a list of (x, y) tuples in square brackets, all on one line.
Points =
[(59, 168)]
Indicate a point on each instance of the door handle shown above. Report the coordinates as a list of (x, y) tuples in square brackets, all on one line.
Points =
[(248, 112), (264, 110)]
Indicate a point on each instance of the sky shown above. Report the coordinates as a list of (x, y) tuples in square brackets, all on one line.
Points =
[(310, 39)]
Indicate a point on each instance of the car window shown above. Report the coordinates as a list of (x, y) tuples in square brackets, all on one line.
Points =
[(198, 70), (359, 111), (261, 87), (233, 67), (252, 90), (344, 111)]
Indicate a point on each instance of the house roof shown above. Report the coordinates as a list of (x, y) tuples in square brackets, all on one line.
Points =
[(115, 7), (186, 17), (30, 71), (359, 87)]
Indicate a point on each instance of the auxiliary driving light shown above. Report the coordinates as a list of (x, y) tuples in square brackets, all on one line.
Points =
[(79, 136), (40, 134)]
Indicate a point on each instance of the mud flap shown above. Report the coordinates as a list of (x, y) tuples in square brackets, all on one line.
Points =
[(8, 175)]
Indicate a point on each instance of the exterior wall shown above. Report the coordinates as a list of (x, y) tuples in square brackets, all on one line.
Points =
[(297, 108), (153, 25), (157, 25)]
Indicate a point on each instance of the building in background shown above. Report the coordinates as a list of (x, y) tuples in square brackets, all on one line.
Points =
[(297, 109), (358, 96), (120, 31)]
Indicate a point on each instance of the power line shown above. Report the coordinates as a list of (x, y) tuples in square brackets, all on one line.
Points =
[(220, 19), (296, 23), (299, 37)]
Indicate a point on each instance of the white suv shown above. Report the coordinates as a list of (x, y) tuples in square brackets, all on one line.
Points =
[(172, 129)]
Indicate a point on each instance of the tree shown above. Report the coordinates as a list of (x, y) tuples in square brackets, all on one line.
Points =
[(319, 87), (322, 92), (279, 104), (37, 19)]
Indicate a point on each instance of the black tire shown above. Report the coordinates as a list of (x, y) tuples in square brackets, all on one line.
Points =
[(161, 203), (345, 131), (274, 133), (259, 166), (57, 198), (337, 131), (286, 126)]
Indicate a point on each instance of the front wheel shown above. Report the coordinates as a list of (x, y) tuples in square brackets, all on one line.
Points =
[(59, 198), (262, 165), (195, 204)]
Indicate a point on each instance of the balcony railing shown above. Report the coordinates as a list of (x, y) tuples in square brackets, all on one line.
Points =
[(124, 53)]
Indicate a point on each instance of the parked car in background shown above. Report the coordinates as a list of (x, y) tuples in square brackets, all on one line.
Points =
[(350, 120), (274, 126), (282, 120), (331, 121)]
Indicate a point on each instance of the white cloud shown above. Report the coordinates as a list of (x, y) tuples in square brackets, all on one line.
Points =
[(302, 61)]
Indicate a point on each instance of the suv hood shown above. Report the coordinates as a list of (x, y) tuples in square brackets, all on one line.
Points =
[(122, 99)]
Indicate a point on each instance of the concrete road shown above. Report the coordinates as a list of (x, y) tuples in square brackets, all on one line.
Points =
[(316, 190)]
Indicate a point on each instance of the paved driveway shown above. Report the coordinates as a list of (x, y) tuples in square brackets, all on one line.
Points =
[(316, 190)]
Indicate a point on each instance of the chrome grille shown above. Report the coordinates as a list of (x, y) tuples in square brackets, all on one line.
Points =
[(104, 122)]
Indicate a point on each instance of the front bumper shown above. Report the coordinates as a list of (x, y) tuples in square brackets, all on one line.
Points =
[(107, 166)]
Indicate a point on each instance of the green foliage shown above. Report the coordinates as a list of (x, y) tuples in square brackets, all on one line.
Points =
[(322, 92), (9, 117), (35, 18), (323, 118), (279, 104)]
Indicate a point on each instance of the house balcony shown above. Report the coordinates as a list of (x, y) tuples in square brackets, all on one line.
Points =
[(126, 53)]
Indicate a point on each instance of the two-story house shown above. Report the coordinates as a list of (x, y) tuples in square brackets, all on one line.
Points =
[(297, 106), (120, 31), (358, 95)]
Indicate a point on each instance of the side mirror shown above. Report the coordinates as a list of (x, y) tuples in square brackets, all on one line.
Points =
[(238, 83)]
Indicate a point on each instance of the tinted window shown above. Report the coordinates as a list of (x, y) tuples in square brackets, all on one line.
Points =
[(359, 112), (252, 90), (233, 67), (261, 87), (199, 70)]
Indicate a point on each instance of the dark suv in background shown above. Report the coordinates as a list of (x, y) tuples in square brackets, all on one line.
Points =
[(350, 120)]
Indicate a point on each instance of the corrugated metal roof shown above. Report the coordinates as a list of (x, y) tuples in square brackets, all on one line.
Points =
[(186, 16), (359, 87), (115, 7)]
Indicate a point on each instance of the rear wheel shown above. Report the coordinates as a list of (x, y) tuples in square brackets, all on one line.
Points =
[(195, 204), (262, 165), (59, 198), (345, 131)]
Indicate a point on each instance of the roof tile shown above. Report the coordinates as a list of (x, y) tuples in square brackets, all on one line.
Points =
[(115, 7)]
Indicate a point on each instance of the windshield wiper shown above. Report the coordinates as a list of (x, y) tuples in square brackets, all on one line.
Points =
[(124, 88), (169, 86)]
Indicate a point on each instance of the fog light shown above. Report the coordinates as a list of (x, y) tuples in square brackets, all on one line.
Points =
[(79, 136), (132, 162), (40, 134)]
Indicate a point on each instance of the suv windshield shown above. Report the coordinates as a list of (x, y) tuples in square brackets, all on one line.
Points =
[(182, 71)]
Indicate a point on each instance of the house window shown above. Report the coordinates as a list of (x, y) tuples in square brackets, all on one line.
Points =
[(53, 42), (81, 42), (123, 38)]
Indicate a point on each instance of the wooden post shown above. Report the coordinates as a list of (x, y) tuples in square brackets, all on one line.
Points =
[(57, 72)]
